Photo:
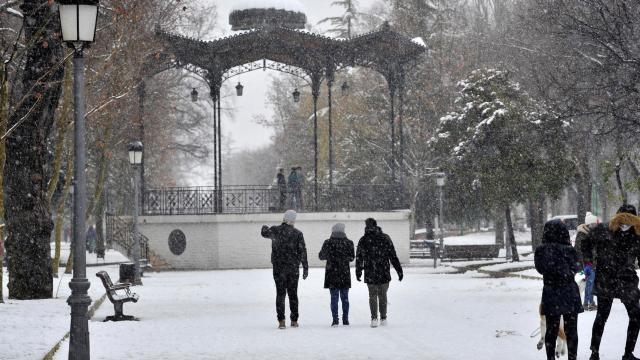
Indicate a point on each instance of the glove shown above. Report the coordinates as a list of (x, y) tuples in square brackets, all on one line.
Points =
[(588, 268), (305, 274), (359, 277), (400, 276)]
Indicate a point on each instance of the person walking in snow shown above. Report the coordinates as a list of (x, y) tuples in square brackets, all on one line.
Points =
[(338, 252), (294, 188), (288, 251), (92, 237), (615, 247), (282, 188), (557, 261), (375, 252), (590, 221)]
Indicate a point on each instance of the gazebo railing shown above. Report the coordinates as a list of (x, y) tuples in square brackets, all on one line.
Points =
[(269, 199)]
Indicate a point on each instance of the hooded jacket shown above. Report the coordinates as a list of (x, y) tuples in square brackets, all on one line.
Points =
[(375, 252), (557, 261), (615, 250), (288, 249), (338, 252)]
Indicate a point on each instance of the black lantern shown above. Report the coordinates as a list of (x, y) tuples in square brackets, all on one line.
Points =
[(78, 19), (194, 95), (296, 95), (135, 152), (345, 88), (239, 89)]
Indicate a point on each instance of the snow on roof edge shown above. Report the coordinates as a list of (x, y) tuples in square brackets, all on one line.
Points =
[(292, 5)]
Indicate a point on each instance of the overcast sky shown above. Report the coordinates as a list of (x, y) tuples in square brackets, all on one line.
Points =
[(242, 129)]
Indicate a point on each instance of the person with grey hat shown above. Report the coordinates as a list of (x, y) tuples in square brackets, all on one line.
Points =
[(375, 252), (288, 251), (338, 251)]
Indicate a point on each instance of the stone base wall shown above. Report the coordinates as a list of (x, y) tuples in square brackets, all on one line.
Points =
[(234, 241)]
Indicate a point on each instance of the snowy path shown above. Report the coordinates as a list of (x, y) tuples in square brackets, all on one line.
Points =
[(231, 315)]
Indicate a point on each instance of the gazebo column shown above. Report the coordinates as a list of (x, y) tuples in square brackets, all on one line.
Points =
[(315, 92), (330, 79), (401, 90), (392, 115), (214, 100), (142, 92)]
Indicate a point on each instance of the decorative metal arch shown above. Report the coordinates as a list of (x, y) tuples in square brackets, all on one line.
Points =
[(306, 55)]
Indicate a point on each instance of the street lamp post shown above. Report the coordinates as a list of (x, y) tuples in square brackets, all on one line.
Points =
[(135, 159), (78, 19), (440, 182)]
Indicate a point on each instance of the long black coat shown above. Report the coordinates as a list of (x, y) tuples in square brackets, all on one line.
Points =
[(288, 249), (557, 261), (615, 252), (375, 252), (338, 252)]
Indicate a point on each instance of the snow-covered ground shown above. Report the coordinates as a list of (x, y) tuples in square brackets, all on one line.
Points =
[(230, 315), (110, 256)]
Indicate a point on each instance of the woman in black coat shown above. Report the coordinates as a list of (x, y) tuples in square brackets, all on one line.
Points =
[(557, 261), (338, 252)]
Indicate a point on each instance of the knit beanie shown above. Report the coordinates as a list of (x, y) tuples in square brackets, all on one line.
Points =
[(589, 219), (627, 208), (338, 228), (290, 217), (370, 222)]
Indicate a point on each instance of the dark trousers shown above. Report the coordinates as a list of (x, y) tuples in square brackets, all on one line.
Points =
[(286, 284), (570, 329), (343, 295), (378, 295), (604, 309)]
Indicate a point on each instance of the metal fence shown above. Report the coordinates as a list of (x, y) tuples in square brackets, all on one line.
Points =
[(268, 199), (120, 233)]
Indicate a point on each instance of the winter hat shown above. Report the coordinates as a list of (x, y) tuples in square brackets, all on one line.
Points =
[(627, 208), (555, 231), (290, 217), (589, 218), (337, 229), (370, 222)]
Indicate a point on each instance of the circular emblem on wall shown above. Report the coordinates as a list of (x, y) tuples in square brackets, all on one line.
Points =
[(177, 242)]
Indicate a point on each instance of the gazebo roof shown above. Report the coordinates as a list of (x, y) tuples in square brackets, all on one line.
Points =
[(384, 50)]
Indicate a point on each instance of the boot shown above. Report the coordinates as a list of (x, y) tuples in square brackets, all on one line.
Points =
[(594, 356), (281, 325), (629, 356), (374, 323), (345, 321), (335, 322), (294, 323), (383, 322)]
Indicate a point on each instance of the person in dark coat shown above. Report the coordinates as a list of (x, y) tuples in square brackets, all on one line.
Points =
[(288, 251), (375, 252), (294, 188), (557, 261), (615, 247), (338, 252), (282, 188), (590, 221), (91, 238)]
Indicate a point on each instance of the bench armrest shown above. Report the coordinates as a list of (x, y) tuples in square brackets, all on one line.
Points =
[(120, 286)]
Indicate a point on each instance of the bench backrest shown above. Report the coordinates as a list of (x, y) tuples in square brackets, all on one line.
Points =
[(107, 283), (471, 251)]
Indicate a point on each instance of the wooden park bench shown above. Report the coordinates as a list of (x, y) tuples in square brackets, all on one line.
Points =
[(118, 294), (469, 252)]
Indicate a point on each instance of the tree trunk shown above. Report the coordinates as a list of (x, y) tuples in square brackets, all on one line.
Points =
[(510, 235), (532, 212), (499, 227), (55, 264), (4, 114), (99, 216)]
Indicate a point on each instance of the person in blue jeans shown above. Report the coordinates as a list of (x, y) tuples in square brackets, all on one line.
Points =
[(338, 251), (584, 230)]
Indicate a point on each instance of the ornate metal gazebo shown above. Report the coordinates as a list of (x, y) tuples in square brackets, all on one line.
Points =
[(275, 39)]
